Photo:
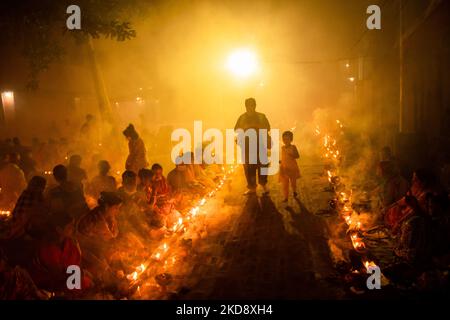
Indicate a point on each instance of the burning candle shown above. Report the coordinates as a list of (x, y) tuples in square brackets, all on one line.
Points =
[(194, 211), (359, 245), (348, 220), (368, 264), (5, 213)]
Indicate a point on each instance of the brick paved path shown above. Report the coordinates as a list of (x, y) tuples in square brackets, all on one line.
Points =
[(265, 249)]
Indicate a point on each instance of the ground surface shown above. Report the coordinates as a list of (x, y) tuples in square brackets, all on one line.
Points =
[(265, 248)]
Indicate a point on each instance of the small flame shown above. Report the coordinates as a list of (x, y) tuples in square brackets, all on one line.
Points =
[(141, 268), (5, 213), (368, 264), (194, 211), (348, 220)]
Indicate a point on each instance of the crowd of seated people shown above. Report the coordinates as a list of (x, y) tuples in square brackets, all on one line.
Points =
[(416, 215), (55, 222)]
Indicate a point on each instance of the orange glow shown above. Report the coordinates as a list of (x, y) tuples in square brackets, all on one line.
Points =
[(242, 63)]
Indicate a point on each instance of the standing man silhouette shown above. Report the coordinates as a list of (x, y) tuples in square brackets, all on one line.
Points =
[(254, 120)]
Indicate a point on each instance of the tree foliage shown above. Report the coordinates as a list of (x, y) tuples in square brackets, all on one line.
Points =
[(38, 27)]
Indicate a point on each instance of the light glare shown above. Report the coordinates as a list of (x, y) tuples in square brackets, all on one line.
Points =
[(242, 63)]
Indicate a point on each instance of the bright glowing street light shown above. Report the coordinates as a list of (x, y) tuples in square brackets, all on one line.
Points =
[(7, 99), (242, 63)]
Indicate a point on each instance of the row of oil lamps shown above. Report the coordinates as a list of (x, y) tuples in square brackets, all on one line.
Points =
[(180, 227)]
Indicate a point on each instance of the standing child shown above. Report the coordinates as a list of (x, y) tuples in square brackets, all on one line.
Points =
[(289, 171)]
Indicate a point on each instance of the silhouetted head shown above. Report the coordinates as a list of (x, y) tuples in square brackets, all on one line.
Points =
[(16, 141), (130, 132), (60, 173), (103, 167), (287, 137), (145, 176), (75, 160), (13, 157), (89, 117), (109, 201), (37, 184), (157, 170), (250, 105), (129, 179)]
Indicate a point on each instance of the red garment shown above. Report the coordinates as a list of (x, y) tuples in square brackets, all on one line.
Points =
[(50, 267), (161, 187)]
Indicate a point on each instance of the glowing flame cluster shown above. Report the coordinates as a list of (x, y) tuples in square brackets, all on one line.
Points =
[(329, 143), (351, 220), (162, 254), (344, 199), (5, 213)]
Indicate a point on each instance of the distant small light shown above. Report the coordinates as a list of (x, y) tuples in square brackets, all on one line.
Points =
[(347, 65), (8, 94), (352, 79), (138, 99)]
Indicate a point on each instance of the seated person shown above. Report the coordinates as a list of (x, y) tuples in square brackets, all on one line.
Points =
[(191, 172), (134, 202), (66, 198), (103, 181), (95, 230), (202, 176), (161, 188), (27, 163), (176, 178), (12, 181), (75, 173), (128, 190), (393, 186), (56, 252), (414, 241), (16, 283), (422, 183), (145, 184), (136, 211), (29, 214)]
